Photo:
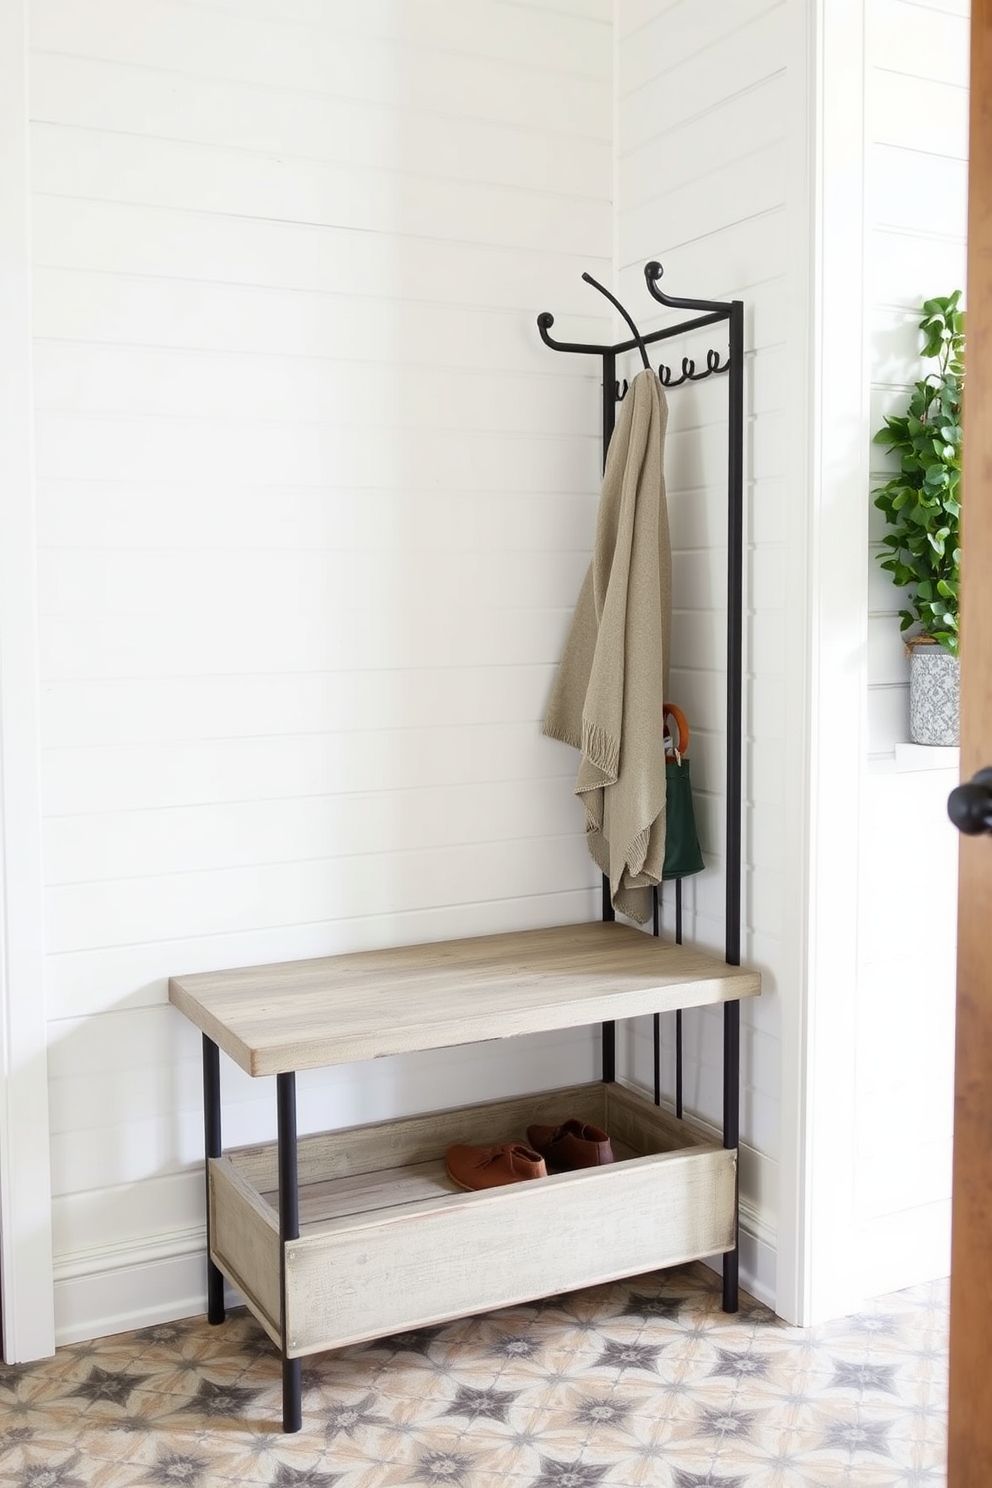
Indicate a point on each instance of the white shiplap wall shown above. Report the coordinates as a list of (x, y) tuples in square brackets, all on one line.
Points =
[(916, 84), (713, 183), (314, 504), (313, 507)]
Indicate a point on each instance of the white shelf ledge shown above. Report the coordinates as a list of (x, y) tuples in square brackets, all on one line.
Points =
[(927, 757), (916, 759)]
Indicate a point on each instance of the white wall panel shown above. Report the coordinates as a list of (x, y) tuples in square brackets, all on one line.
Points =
[(298, 518), (736, 57), (140, 710), (126, 976), (151, 646), (173, 106), (315, 505), (669, 37), (126, 309), (731, 130), (176, 245), (139, 843), (309, 892), (927, 41), (107, 448), (522, 77), (708, 185), (200, 178)]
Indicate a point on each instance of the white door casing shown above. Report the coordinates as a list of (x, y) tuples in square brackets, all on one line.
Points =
[(25, 1184)]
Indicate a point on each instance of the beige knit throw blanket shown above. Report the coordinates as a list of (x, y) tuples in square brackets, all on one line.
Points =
[(608, 697)]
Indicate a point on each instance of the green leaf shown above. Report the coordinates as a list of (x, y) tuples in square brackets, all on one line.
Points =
[(921, 505)]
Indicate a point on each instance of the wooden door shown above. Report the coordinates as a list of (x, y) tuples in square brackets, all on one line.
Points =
[(970, 1441)]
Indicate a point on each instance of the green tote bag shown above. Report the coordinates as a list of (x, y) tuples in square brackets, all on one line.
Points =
[(682, 851)]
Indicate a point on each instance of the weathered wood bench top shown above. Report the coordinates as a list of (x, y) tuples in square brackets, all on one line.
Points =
[(297, 1015)]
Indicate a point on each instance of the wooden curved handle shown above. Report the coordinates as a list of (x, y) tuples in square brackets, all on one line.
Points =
[(681, 723)]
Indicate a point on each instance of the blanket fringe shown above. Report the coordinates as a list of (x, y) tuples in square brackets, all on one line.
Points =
[(561, 733), (637, 852), (601, 749)]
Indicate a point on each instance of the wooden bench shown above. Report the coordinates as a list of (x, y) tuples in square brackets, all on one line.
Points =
[(354, 1234)]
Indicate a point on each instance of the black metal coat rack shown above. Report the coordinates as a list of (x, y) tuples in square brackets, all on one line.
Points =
[(708, 312)]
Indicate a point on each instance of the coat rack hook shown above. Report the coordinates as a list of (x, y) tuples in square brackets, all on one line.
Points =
[(633, 329), (653, 272), (544, 323)]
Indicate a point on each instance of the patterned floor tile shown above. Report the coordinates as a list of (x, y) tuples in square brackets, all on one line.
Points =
[(637, 1384)]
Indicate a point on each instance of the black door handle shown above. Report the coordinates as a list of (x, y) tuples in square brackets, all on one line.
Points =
[(970, 805)]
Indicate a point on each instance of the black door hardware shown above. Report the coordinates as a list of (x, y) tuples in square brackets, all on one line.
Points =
[(970, 805)]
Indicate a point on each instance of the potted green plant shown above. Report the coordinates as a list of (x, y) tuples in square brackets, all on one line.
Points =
[(922, 507)]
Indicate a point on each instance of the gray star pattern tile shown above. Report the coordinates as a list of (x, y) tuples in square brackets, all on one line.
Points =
[(643, 1384)]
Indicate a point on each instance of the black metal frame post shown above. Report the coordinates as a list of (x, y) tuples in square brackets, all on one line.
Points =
[(609, 1046), (735, 729), (212, 1148), (711, 312), (289, 1229), (678, 1011)]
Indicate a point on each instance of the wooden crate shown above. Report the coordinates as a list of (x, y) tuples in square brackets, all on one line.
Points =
[(387, 1241)]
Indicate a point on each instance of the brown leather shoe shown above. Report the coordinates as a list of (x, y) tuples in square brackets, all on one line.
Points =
[(571, 1145), (489, 1167)]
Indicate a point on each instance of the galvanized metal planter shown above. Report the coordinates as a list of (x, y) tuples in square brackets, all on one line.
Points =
[(934, 686)]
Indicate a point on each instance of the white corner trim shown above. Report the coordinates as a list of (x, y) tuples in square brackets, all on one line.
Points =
[(792, 1211), (25, 1186), (838, 548)]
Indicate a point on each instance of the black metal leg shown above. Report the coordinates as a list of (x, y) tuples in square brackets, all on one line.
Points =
[(678, 1063), (657, 1058), (656, 1020), (212, 1148), (289, 1229), (731, 1139), (609, 1029), (678, 1011), (609, 1052)]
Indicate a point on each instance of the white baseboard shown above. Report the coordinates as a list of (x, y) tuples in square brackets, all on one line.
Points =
[(905, 1249), (758, 1274), (123, 1287), (759, 1261)]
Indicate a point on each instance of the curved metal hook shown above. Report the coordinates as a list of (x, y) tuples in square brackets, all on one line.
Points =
[(544, 323), (653, 272), (665, 376), (689, 373), (621, 392), (633, 329), (695, 376)]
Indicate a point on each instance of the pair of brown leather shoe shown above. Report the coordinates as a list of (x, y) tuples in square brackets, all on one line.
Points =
[(563, 1148)]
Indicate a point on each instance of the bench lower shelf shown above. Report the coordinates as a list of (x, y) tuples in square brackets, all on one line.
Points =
[(388, 1243)]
